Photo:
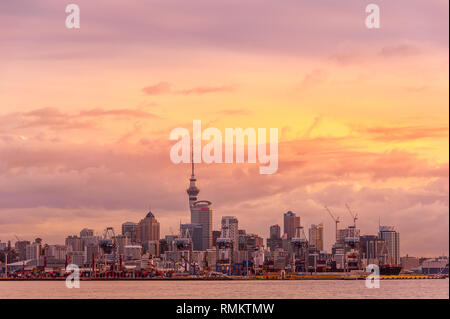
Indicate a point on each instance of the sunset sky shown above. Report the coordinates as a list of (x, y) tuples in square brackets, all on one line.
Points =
[(85, 114)]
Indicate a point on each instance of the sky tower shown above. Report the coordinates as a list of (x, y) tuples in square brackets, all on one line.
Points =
[(201, 212), (192, 190)]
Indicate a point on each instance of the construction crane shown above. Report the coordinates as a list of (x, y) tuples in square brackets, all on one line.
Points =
[(336, 221), (354, 216)]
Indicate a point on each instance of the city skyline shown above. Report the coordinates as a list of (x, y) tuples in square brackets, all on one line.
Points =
[(291, 222), (362, 114)]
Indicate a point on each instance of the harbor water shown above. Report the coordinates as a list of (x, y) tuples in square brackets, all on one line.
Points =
[(283, 289)]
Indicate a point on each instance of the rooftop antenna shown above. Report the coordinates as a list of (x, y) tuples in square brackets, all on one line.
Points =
[(192, 155)]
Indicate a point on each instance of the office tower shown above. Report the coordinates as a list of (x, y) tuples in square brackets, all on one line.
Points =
[(2, 245), (86, 233), (201, 212), (392, 243), (147, 229), (316, 236), (194, 232), (129, 230), (291, 222), (371, 247), (230, 230), (274, 241), (275, 232), (21, 248)]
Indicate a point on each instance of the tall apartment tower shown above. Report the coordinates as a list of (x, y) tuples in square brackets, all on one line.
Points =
[(316, 236), (291, 222), (392, 242), (201, 211), (230, 230)]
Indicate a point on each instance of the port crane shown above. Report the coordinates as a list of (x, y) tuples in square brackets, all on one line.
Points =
[(354, 216), (336, 221)]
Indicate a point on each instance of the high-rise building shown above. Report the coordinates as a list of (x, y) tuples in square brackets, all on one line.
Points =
[(371, 247), (230, 230), (21, 249), (274, 241), (275, 232), (33, 251), (86, 233), (75, 242), (316, 236), (346, 234), (291, 222), (201, 212), (129, 230), (194, 232), (392, 240), (147, 229), (57, 251)]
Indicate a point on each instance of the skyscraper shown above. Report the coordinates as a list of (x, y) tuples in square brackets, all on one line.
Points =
[(392, 242), (129, 230), (275, 232), (230, 230), (291, 222), (274, 241), (201, 212), (194, 232), (147, 229), (316, 236), (85, 232)]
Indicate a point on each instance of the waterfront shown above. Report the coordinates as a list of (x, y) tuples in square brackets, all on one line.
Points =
[(324, 289)]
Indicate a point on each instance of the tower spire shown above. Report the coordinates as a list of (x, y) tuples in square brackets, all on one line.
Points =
[(192, 190), (192, 155)]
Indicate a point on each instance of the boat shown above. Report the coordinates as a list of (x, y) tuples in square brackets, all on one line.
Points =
[(390, 269)]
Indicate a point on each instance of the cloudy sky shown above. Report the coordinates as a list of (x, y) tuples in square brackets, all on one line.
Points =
[(85, 115)]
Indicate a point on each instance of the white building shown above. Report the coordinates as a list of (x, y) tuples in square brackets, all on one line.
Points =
[(230, 230), (33, 251)]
